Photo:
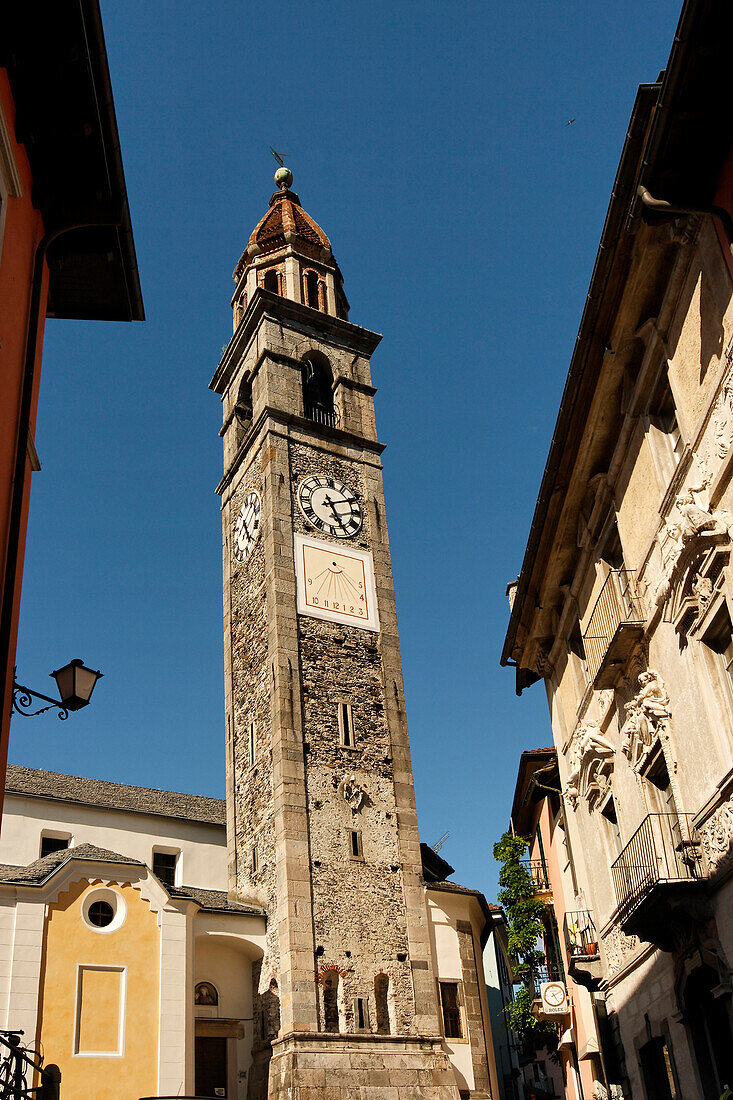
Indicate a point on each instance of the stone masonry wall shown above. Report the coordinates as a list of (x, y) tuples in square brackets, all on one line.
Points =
[(359, 905), (252, 782)]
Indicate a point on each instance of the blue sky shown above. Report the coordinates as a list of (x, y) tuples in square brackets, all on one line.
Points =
[(431, 143)]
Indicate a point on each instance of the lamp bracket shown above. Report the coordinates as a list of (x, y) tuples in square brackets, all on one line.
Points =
[(23, 701)]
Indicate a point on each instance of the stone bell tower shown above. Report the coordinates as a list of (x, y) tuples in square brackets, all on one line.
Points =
[(322, 828)]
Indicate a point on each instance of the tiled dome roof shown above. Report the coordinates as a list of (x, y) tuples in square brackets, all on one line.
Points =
[(285, 216)]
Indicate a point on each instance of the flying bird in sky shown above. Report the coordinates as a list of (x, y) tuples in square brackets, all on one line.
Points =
[(570, 123)]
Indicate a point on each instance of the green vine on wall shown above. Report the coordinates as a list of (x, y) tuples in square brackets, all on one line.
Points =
[(524, 912)]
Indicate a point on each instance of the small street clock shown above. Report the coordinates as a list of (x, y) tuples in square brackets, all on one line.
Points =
[(247, 526), (330, 506)]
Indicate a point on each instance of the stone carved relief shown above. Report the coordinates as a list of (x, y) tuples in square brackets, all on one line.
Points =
[(353, 795), (691, 519), (591, 766), (648, 715), (722, 415), (702, 588), (619, 948), (716, 836)]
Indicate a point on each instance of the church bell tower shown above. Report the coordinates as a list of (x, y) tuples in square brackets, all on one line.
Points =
[(322, 827)]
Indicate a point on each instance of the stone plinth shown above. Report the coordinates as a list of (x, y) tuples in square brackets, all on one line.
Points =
[(360, 1067)]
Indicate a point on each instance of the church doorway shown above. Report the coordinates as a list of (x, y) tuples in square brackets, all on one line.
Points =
[(211, 1065)]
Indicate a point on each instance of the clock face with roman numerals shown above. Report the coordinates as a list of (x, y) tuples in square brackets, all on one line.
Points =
[(330, 506), (247, 527)]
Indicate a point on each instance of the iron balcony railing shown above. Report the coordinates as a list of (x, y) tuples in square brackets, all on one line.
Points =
[(549, 972), (616, 608), (581, 937), (328, 417), (665, 849), (538, 873)]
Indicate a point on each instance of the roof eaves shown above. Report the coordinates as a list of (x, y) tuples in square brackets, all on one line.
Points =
[(613, 230)]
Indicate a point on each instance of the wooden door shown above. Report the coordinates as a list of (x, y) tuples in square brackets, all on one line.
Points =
[(211, 1065)]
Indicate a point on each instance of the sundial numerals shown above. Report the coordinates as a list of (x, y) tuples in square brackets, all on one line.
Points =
[(330, 506)]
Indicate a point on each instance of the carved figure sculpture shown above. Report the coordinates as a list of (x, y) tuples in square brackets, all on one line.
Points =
[(352, 793), (591, 765), (694, 518), (648, 713), (702, 587)]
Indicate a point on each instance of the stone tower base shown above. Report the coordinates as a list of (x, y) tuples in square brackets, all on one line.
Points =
[(360, 1067)]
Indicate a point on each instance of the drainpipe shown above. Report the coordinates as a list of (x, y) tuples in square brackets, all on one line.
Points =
[(661, 206), (21, 446)]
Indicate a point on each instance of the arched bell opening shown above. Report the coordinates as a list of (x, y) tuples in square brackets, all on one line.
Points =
[(243, 410), (272, 281), (318, 389)]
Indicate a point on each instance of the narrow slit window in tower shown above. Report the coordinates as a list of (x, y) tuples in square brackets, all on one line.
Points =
[(251, 744), (355, 847), (346, 725), (361, 1014), (330, 1001), (381, 988)]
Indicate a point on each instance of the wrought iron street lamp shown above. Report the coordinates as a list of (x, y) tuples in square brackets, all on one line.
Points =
[(75, 683)]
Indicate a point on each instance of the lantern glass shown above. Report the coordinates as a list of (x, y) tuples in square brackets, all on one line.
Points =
[(75, 683)]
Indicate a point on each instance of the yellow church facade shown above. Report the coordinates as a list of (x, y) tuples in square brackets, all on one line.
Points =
[(138, 985)]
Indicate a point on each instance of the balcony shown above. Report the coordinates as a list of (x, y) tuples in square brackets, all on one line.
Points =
[(659, 873), (538, 873), (581, 941), (615, 626)]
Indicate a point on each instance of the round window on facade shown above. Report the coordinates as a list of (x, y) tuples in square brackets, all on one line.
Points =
[(104, 910)]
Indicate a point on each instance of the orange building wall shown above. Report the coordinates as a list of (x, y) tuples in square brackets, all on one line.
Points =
[(555, 859), (67, 1021), (23, 230)]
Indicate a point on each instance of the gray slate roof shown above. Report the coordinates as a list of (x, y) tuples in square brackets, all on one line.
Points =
[(114, 796), (37, 872), (41, 869), (213, 899)]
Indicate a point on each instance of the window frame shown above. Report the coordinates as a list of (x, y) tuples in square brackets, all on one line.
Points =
[(357, 857), (345, 708), (460, 1006), (167, 850), (54, 835)]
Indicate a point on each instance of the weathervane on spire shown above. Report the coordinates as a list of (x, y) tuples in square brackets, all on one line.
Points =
[(283, 176)]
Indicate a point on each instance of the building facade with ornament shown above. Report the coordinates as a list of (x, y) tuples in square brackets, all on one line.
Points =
[(624, 602)]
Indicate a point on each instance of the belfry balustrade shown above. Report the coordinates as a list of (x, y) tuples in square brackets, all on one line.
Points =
[(661, 870), (615, 625), (322, 415)]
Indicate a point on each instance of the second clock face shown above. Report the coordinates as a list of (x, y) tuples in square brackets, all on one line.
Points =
[(247, 526), (330, 506)]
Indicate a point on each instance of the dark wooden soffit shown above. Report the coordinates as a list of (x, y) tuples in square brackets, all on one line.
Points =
[(606, 288), (679, 136), (526, 793), (65, 117)]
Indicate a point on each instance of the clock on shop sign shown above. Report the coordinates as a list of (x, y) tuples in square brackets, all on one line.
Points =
[(554, 998)]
